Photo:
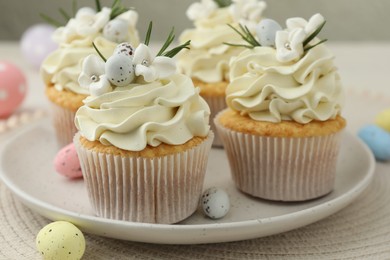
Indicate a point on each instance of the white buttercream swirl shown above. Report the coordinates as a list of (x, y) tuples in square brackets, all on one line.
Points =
[(208, 58), (269, 90), (63, 66), (167, 111)]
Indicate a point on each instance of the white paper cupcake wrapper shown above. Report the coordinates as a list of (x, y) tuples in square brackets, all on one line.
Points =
[(63, 122), (216, 105), (282, 168), (153, 190)]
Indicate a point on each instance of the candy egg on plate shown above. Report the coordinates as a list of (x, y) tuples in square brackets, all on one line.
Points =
[(67, 163), (378, 140), (383, 119), (215, 203)]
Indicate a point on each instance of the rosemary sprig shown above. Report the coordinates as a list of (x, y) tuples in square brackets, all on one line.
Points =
[(246, 35), (64, 14), (74, 7), (148, 33), (98, 6), (98, 52), (168, 42), (117, 9), (314, 34), (50, 20), (223, 3), (172, 53), (307, 48)]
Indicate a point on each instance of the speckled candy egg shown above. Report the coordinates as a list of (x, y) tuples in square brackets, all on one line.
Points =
[(116, 30), (378, 140), (36, 43), (119, 70), (124, 48), (266, 32), (215, 203), (67, 162), (13, 88), (383, 119), (60, 240)]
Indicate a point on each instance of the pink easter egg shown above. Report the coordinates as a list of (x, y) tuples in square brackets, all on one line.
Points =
[(13, 88), (36, 43), (67, 162)]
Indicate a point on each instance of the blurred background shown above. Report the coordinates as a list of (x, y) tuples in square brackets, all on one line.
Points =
[(357, 20)]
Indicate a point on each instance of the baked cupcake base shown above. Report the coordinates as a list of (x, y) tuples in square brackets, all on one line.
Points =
[(64, 105), (283, 162), (157, 185), (214, 95)]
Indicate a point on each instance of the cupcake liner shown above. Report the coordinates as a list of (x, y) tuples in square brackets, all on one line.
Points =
[(216, 104), (162, 190), (63, 122), (281, 168)]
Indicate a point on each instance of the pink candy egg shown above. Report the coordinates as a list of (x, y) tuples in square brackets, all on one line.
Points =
[(13, 88), (36, 43), (67, 162)]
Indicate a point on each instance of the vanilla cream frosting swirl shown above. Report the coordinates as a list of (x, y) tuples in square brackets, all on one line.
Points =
[(269, 90), (208, 58), (62, 67), (167, 111)]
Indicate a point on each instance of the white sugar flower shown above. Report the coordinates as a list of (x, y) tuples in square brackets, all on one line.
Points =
[(247, 12), (289, 44), (204, 9), (151, 67), (89, 23), (92, 76), (308, 26)]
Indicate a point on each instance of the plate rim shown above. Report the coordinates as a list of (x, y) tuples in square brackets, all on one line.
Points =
[(56, 213)]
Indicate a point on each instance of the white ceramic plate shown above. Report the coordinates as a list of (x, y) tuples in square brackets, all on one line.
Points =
[(26, 168)]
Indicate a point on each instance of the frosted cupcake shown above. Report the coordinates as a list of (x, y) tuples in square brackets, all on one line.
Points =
[(207, 61), (143, 138), (282, 129), (105, 27)]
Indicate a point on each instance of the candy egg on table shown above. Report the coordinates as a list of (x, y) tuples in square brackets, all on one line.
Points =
[(36, 43), (119, 70), (383, 119), (215, 203), (266, 32), (13, 88), (60, 240), (378, 140), (67, 163)]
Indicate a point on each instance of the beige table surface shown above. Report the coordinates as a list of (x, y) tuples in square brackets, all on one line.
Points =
[(359, 231)]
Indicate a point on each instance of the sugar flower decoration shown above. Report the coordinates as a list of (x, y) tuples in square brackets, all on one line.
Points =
[(201, 10), (151, 67), (247, 12), (92, 76)]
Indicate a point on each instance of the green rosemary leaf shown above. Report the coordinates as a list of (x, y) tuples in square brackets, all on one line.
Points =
[(239, 45), (118, 10), (64, 14), (148, 33), (223, 3), (115, 3), (74, 7), (50, 20), (177, 49), (168, 42), (251, 37), (314, 34), (100, 54), (306, 49), (98, 5), (237, 31)]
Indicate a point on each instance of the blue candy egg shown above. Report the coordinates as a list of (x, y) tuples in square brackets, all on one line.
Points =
[(378, 140), (266, 32)]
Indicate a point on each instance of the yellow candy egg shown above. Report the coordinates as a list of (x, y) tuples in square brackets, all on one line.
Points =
[(60, 240), (383, 120)]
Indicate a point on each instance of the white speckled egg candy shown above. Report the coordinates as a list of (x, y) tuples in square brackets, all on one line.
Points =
[(119, 70), (60, 240), (116, 30), (266, 32), (215, 203), (124, 48)]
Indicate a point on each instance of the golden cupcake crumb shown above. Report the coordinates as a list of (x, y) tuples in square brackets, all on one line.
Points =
[(148, 152), (66, 99), (211, 89), (242, 123)]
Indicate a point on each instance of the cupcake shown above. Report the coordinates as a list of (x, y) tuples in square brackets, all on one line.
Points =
[(143, 138), (282, 128), (105, 27), (207, 61)]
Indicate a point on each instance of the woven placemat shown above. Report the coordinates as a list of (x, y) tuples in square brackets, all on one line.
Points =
[(362, 230)]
